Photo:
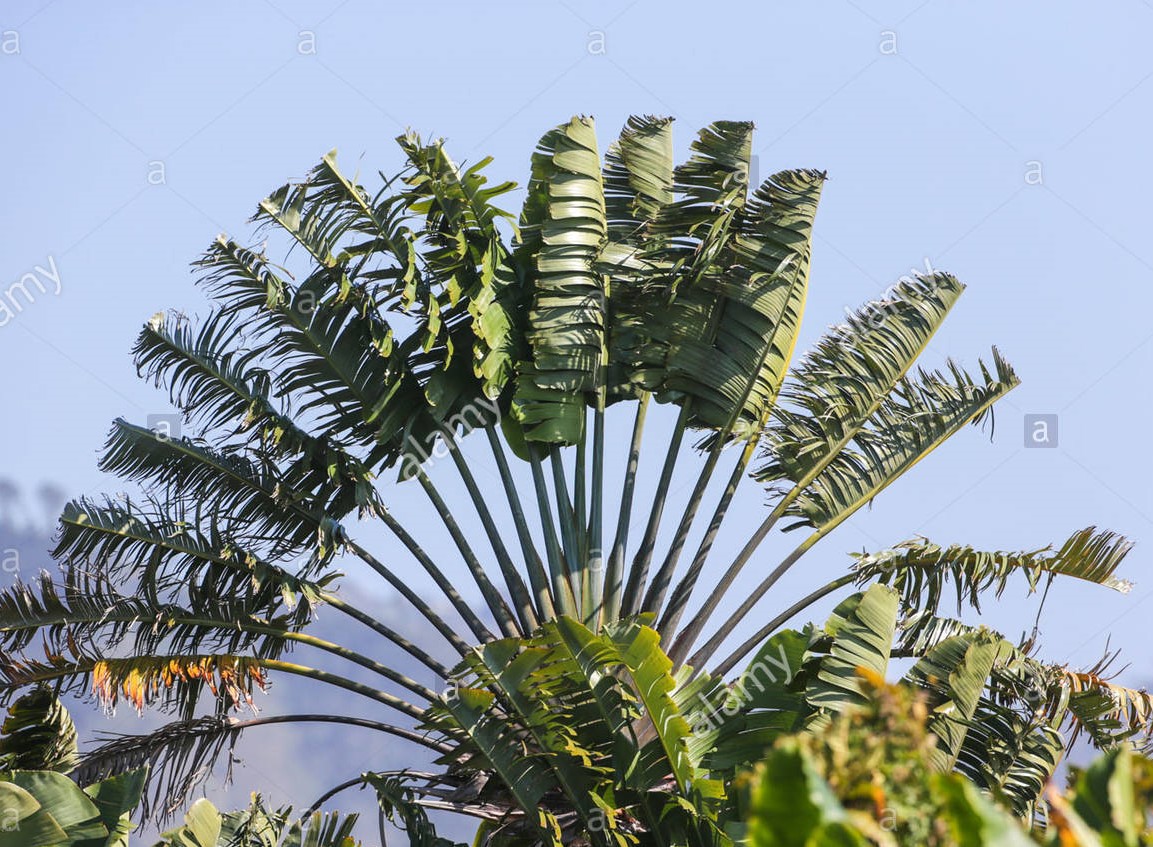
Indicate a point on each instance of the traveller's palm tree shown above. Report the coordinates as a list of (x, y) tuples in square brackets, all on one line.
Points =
[(592, 695)]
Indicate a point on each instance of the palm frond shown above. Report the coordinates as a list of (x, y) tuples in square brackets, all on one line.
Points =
[(172, 682), (466, 256), (92, 612), (335, 354), (922, 570), (38, 734), (638, 186), (258, 825), (180, 757), (1106, 712), (954, 674), (859, 638), (1009, 754), (110, 540), (697, 230), (562, 230), (839, 385), (830, 399), (243, 493), (919, 416)]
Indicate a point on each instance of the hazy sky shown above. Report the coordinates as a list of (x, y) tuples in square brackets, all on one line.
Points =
[(1007, 143)]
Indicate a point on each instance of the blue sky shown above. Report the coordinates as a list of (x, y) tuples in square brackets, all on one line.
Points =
[(1007, 144)]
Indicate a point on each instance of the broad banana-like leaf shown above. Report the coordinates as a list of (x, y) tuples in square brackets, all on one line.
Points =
[(835, 397), (71, 809), (27, 822), (638, 186), (230, 485), (562, 230), (586, 661), (654, 684), (955, 673), (466, 255), (227, 392), (202, 827), (792, 806), (46, 809), (38, 734), (102, 540), (101, 619), (973, 819), (116, 798), (766, 702), (335, 356), (178, 757), (763, 300), (516, 671), (496, 744), (860, 631), (1109, 800), (1009, 753), (670, 301)]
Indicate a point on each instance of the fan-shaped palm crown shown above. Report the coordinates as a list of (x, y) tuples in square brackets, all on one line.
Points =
[(569, 711)]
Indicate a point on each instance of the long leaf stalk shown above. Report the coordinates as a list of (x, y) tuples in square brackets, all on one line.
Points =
[(496, 605), (710, 647), (638, 575), (517, 589), (780, 620), (566, 518), (344, 720), (396, 638), (413, 598), (580, 483), (843, 514), (662, 579), (680, 598), (693, 631), (564, 598), (478, 629), (615, 563), (338, 681), (595, 533), (325, 646), (538, 576)]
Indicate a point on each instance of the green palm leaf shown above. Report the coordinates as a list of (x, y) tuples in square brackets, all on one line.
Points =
[(830, 399), (839, 386), (69, 808), (921, 570), (497, 745), (860, 633), (1006, 752), (955, 672), (562, 229), (38, 734), (410, 314), (919, 416)]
